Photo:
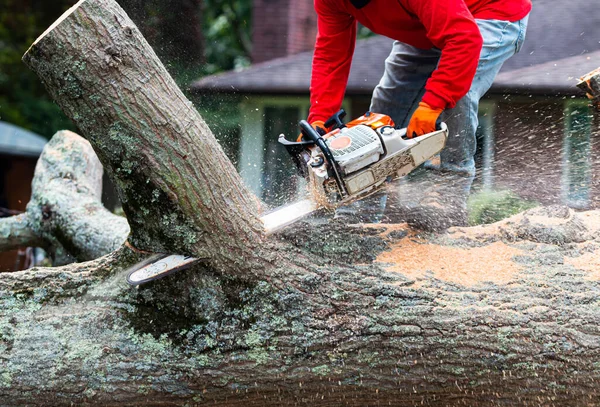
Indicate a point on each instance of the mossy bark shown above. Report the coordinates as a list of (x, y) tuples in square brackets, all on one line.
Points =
[(323, 332), (65, 215), (15, 231), (319, 323)]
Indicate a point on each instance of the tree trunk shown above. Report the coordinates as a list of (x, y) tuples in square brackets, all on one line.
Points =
[(319, 315), (337, 334), (178, 189)]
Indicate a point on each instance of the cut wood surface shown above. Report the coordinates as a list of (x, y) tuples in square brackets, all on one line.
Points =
[(322, 313), (590, 84)]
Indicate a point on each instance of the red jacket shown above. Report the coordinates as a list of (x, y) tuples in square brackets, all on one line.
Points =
[(446, 24)]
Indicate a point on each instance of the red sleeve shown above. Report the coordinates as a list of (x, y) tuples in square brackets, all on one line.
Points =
[(450, 27), (331, 61)]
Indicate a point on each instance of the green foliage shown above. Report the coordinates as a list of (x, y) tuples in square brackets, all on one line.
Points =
[(227, 34), (363, 32), (23, 100), (488, 206), (191, 44)]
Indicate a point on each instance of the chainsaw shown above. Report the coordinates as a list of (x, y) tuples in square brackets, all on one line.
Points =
[(348, 163), (354, 160)]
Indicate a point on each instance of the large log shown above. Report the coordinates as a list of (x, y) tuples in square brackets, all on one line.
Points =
[(332, 315), (520, 330)]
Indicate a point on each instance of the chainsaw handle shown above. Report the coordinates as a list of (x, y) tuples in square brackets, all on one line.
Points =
[(313, 135), (309, 132)]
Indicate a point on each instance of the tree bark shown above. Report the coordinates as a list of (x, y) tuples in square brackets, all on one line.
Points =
[(15, 232), (590, 84), (178, 189), (313, 316), (336, 334), (65, 215)]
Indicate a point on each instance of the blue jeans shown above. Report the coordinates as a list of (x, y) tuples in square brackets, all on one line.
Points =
[(403, 84)]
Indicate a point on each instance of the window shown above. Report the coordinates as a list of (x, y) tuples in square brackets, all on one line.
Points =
[(484, 156), (577, 157), (278, 180), (264, 164)]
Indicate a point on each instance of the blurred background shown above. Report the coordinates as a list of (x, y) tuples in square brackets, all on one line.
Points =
[(246, 66)]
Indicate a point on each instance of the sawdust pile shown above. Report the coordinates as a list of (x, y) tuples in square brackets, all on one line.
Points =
[(490, 256), (466, 266)]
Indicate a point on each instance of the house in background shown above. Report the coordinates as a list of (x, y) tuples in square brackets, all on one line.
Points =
[(536, 130), (19, 151)]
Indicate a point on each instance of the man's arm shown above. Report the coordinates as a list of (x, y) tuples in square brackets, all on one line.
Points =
[(334, 48), (450, 27)]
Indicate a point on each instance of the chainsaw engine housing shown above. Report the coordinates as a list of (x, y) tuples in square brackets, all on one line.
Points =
[(366, 153), (355, 159)]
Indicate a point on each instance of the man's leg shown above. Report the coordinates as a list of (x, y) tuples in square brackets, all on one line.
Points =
[(445, 204), (501, 40)]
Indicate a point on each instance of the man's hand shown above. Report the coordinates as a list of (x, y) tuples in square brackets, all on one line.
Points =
[(317, 125), (423, 120)]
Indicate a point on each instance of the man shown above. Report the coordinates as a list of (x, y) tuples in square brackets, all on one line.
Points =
[(445, 58)]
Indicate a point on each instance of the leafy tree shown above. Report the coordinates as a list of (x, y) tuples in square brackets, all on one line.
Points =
[(192, 37), (228, 37), (174, 29), (23, 101)]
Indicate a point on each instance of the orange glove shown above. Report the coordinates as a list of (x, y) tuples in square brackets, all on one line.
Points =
[(423, 120), (316, 124)]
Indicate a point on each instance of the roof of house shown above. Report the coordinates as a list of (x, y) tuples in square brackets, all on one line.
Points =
[(292, 74), (17, 141), (554, 76), (556, 32)]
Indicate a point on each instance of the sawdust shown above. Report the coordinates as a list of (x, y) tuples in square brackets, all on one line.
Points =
[(387, 228), (588, 262), (465, 266), (591, 219)]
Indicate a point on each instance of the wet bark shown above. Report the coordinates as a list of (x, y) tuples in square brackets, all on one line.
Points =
[(308, 317), (590, 84)]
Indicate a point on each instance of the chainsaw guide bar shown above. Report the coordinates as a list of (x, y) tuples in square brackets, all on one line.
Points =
[(158, 266)]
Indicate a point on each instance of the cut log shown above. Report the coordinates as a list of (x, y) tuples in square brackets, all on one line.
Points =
[(590, 84), (333, 315)]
